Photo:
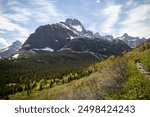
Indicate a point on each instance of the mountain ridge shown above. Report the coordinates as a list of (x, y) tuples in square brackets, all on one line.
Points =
[(58, 36), (10, 50), (132, 41)]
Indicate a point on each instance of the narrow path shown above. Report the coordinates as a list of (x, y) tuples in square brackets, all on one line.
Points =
[(142, 70)]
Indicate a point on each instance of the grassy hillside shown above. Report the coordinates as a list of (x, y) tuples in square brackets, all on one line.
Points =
[(114, 78), (41, 71)]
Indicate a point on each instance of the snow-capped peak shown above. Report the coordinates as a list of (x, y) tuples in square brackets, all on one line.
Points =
[(68, 27), (16, 45), (63, 25), (131, 41), (79, 28), (11, 50), (72, 22), (75, 24)]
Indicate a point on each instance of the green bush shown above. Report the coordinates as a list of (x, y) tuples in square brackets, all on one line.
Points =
[(137, 86)]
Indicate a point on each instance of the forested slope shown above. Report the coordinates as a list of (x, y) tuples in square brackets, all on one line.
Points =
[(114, 78), (41, 70)]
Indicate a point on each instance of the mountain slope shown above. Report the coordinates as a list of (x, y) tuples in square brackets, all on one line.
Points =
[(115, 78), (11, 50), (47, 67), (54, 36), (102, 47), (72, 34)]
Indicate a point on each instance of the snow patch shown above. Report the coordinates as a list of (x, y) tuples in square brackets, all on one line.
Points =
[(44, 49), (71, 37), (14, 49), (64, 26), (121, 38), (61, 49), (78, 28), (48, 49), (3, 50), (88, 36), (15, 56), (134, 39)]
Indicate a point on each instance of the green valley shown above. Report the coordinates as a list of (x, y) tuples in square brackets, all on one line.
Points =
[(116, 77), (41, 71)]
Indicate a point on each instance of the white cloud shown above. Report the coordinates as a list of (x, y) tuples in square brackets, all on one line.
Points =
[(14, 16), (136, 29), (92, 27), (130, 2), (138, 14), (98, 1), (3, 43), (137, 21), (7, 25), (45, 11), (2, 32), (13, 3), (20, 15), (39, 10), (16, 11), (112, 16)]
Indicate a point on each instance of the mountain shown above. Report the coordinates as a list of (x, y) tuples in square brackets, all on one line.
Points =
[(72, 35), (77, 26), (99, 46), (129, 40), (55, 36), (11, 50), (132, 41), (115, 78)]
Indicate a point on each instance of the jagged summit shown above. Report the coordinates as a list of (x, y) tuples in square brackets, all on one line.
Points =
[(132, 41), (76, 24), (125, 35), (17, 45), (72, 22), (72, 35), (97, 35)]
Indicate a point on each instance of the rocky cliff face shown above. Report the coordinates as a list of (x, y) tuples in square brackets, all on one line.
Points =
[(102, 47), (54, 36), (72, 35)]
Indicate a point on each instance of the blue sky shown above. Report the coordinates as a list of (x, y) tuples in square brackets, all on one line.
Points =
[(20, 18)]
